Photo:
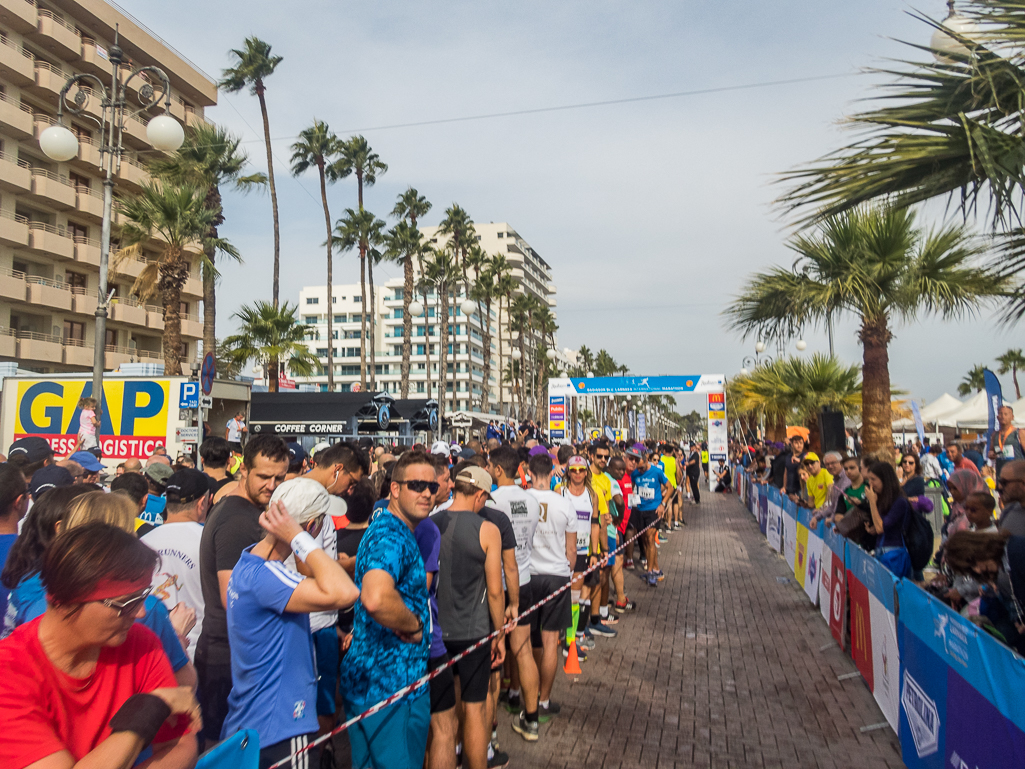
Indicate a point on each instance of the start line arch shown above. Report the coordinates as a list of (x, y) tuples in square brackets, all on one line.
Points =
[(713, 386)]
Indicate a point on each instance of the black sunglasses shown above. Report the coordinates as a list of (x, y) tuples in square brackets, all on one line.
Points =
[(128, 605), (419, 487), (601, 456), (1001, 482)]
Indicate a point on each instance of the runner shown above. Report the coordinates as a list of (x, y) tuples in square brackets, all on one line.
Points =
[(603, 484), (589, 507), (617, 469), (651, 486), (668, 464)]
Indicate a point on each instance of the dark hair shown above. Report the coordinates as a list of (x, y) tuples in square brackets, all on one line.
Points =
[(134, 485), (360, 501), (408, 459), (349, 456), (26, 555), (79, 558), (564, 453), (541, 464), (918, 465), (891, 486), (384, 477), (506, 458), (215, 452), (12, 487), (440, 464), (27, 468), (465, 488), (964, 549), (270, 446), (988, 503), (602, 444), (617, 462)]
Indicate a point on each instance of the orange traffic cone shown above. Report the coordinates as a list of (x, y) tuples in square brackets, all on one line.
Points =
[(572, 666)]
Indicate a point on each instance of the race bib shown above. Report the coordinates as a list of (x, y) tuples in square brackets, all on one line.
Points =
[(635, 499), (647, 493), (1008, 452)]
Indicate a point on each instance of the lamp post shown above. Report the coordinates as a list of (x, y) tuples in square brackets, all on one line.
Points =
[(58, 143)]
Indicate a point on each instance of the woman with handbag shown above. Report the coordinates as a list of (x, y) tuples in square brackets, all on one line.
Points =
[(890, 510)]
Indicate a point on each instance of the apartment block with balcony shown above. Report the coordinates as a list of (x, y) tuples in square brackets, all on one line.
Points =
[(50, 213)]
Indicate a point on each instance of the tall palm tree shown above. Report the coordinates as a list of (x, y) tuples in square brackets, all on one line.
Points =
[(254, 64), (317, 147), (1012, 360), (209, 158), (543, 321), (949, 127), (520, 313), (365, 232), (458, 226), (877, 265), (411, 205), (488, 272), (441, 274), (402, 243), (973, 381), (271, 335), (178, 215), (505, 287)]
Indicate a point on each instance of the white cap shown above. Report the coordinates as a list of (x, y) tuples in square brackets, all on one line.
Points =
[(304, 499), (440, 447), (338, 507), (318, 448)]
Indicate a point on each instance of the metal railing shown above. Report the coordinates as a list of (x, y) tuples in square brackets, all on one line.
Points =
[(16, 274), (36, 171), (13, 159), (82, 240), (19, 218), (35, 336), (59, 20), (70, 341), (37, 280), (52, 68), (53, 230), (133, 352)]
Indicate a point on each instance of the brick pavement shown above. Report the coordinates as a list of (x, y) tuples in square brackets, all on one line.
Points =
[(720, 666)]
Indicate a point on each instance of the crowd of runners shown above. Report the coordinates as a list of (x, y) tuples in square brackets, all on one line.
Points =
[(155, 613)]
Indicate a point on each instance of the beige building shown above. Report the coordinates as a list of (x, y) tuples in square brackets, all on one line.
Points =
[(50, 212)]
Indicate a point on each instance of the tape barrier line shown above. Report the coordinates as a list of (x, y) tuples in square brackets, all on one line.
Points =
[(438, 671)]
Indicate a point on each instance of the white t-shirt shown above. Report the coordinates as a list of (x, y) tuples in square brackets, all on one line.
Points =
[(235, 430), (558, 518), (523, 509), (582, 505), (328, 540), (176, 579)]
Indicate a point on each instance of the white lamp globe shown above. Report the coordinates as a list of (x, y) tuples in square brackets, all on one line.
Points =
[(416, 309), (760, 347), (944, 43), (744, 372), (590, 375), (801, 345), (468, 307), (165, 133), (58, 143), (516, 355), (551, 354)]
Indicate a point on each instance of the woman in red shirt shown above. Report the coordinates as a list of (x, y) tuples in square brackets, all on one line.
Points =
[(84, 685)]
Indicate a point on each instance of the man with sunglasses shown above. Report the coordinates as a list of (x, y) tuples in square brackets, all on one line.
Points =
[(603, 483), (269, 606), (651, 486), (1011, 486)]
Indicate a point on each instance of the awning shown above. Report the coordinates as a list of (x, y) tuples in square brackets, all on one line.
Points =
[(326, 413)]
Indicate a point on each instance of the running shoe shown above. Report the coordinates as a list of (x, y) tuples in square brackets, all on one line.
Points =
[(612, 619), (581, 652), (629, 564), (544, 715), (659, 575), (526, 729), (622, 608), (498, 761), (652, 579), (644, 563), (512, 703), (600, 628), (662, 538), (494, 735), (586, 642)]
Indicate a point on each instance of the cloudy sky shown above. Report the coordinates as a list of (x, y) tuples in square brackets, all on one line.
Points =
[(651, 213)]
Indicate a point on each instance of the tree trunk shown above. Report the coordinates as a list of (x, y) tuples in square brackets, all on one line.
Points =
[(501, 388), (814, 437), (373, 317), (272, 375), (443, 355), (876, 413), (485, 315), (330, 279), (363, 318), (173, 273), (273, 189), (407, 322), (1014, 378), (212, 203)]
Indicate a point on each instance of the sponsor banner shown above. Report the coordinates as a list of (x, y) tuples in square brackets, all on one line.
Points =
[(763, 511), (789, 532), (801, 553), (833, 578), (825, 579), (637, 385), (861, 624), (960, 690), (752, 500), (885, 657), (774, 525), (812, 577)]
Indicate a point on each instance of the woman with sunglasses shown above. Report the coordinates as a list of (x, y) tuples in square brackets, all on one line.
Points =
[(914, 481), (85, 684), (273, 671)]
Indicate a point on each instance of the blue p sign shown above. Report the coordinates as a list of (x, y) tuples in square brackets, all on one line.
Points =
[(189, 397)]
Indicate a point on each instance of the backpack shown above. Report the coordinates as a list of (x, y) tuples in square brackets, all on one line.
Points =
[(918, 538)]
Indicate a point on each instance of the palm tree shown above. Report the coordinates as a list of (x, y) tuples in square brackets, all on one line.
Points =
[(365, 232), (178, 215), (519, 323), (253, 66), (486, 289), (440, 274), (411, 205), (209, 158), (543, 321), (1012, 360), (949, 127), (505, 287), (974, 381), (402, 243), (270, 335), (458, 225), (317, 148), (875, 264)]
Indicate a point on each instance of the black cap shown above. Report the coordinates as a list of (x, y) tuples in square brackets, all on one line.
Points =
[(186, 485), (33, 448), (49, 477)]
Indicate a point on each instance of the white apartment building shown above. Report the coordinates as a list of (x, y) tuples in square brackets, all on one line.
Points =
[(466, 352)]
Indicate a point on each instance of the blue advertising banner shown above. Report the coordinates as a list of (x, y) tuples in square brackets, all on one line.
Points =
[(752, 500), (994, 400), (960, 699), (763, 511), (629, 385), (774, 525)]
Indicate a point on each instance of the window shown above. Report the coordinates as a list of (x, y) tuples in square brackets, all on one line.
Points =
[(339, 319), (334, 333), (77, 232), (420, 350), (501, 234), (310, 320), (430, 312), (398, 312), (334, 300), (74, 331), (478, 238), (111, 337), (183, 308), (313, 300), (76, 282), (322, 352), (419, 387), (398, 293), (357, 299)]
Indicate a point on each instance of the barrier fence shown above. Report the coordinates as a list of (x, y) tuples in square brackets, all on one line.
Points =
[(954, 695)]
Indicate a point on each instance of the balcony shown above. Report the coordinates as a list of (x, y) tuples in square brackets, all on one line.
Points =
[(47, 239), (43, 347), (15, 174), (131, 267), (193, 118), (49, 80), (19, 15), (13, 229), (51, 189), (192, 326), (89, 204), (131, 172), (77, 354), (116, 355), (55, 34), (87, 251), (155, 318), (128, 311), (88, 154), (83, 302), (94, 58), (15, 119), (12, 285), (178, 109), (193, 286), (15, 62), (48, 293), (135, 132), (8, 344)]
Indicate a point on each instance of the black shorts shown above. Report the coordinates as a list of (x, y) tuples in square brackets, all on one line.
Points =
[(212, 694), (557, 614), (641, 519), (583, 562), (271, 754), (235, 446), (443, 688), (473, 670), (526, 601)]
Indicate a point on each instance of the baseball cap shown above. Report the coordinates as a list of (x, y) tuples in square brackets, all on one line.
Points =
[(467, 453), (811, 456), (455, 448), (318, 448), (298, 454), (576, 461), (186, 485), (304, 499), (49, 477), (476, 476), (158, 472), (634, 452), (440, 448), (34, 448), (538, 449), (88, 461)]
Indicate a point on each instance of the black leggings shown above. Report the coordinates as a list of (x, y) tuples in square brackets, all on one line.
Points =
[(694, 482)]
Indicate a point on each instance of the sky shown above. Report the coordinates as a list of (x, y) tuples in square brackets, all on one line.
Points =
[(652, 213)]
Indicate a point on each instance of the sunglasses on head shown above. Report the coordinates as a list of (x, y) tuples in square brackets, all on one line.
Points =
[(419, 487), (127, 605)]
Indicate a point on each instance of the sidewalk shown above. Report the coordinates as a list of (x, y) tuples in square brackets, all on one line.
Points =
[(720, 666)]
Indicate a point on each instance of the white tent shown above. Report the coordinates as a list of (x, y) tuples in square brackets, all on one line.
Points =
[(932, 413), (973, 415), (1019, 411)]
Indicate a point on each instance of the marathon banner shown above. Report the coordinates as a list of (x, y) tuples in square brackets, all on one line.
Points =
[(961, 701), (871, 587), (807, 555), (774, 524), (636, 385)]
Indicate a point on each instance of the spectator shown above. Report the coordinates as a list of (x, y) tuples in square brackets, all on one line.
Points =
[(889, 509), (979, 509), (959, 461), (85, 682), (74, 470), (914, 480), (176, 579), (1007, 440), (133, 466), (819, 480), (1012, 494), (137, 488), (49, 477), (234, 431), (30, 454), (338, 467), (793, 458), (232, 526), (156, 475), (14, 499), (961, 484), (215, 453), (974, 456), (931, 470), (834, 462), (389, 649), (778, 465), (296, 461), (91, 466), (723, 478), (268, 612)]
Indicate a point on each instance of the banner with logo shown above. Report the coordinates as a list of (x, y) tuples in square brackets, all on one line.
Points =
[(808, 556), (834, 583), (752, 500), (763, 510), (774, 525), (961, 702), (789, 532)]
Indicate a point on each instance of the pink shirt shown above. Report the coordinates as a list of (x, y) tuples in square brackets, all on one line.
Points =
[(85, 422)]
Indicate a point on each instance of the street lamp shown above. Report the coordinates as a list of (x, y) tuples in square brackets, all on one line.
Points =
[(944, 43), (416, 309), (58, 143), (801, 345)]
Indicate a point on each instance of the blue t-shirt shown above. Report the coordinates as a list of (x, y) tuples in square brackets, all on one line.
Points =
[(378, 662), (273, 674), (381, 504), (6, 540), (428, 539), (27, 601), (648, 486), (154, 511)]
